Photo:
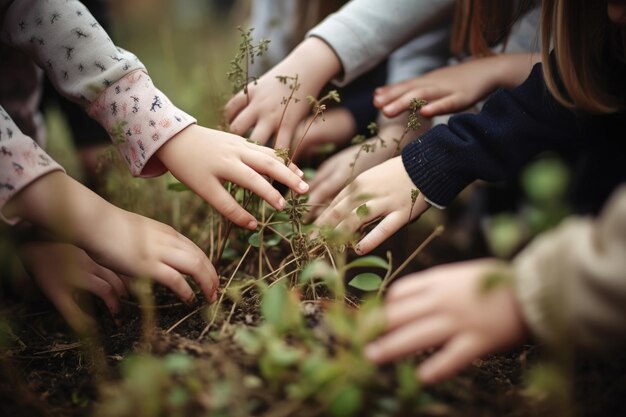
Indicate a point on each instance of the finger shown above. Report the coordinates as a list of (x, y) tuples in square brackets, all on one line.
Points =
[(72, 313), (402, 104), (190, 246), (113, 279), (384, 95), (235, 105), (383, 230), (285, 134), (408, 286), (362, 215), (272, 153), (193, 262), (169, 277), (402, 312), (245, 120), (344, 194), (445, 105), (336, 212), (253, 181), (217, 196), (453, 356), (262, 132), (412, 338), (103, 290), (320, 196), (272, 167)]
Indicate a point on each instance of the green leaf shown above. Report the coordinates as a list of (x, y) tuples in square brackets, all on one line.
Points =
[(255, 239), (248, 340), (177, 397), (281, 308), (272, 240), (178, 187), (504, 234), (366, 282), (369, 261), (347, 402), (408, 385), (546, 181), (362, 211), (178, 363)]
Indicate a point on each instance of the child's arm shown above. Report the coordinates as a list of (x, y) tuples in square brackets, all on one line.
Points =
[(493, 145), (346, 45), (124, 242), (85, 66), (457, 87), (569, 290)]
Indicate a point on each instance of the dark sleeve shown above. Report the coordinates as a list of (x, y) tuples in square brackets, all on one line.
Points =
[(493, 145)]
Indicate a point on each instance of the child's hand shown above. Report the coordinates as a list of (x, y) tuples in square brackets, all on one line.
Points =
[(448, 307), (204, 158), (137, 246), (335, 173), (314, 62), (457, 87), (60, 269), (381, 192), (124, 242)]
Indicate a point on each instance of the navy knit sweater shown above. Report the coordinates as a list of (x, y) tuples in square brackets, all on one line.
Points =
[(513, 127)]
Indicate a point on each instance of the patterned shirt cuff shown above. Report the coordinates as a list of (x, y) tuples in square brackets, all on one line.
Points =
[(140, 119), (22, 161)]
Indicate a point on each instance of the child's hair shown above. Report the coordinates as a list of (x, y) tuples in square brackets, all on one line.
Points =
[(587, 47), (479, 25)]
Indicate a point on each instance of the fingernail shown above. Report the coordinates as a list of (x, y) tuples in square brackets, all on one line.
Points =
[(300, 173), (281, 203), (303, 186), (191, 300), (252, 225)]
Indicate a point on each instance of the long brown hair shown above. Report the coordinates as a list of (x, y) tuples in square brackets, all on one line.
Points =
[(586, 48), (479, 25)]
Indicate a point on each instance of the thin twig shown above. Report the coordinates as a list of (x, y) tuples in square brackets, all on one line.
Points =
[(437, 232)]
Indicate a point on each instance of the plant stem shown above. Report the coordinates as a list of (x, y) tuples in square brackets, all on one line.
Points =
[(437, 232)]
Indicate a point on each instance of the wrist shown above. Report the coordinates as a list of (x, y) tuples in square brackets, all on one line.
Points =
[(319, 58), (169, 152), (513, 69)]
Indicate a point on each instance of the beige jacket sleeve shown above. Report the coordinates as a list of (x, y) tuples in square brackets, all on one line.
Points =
[(571, 282)]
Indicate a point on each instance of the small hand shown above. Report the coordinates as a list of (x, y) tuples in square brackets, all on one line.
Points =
[(447, 90), (137, 246), (314, 62), (204, 158), (124, 242), (385, 192), (338, 170), (449, 307), (60, 269)]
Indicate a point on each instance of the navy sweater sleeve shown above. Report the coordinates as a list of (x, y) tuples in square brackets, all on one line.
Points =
[(493, 145)]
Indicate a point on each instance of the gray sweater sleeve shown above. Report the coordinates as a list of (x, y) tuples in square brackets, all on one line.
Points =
[(571, 282), (364, 32)]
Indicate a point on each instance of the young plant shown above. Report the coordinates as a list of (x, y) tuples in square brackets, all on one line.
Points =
[(239, 72)]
